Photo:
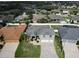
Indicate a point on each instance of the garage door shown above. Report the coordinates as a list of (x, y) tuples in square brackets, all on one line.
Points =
[(46, 38)]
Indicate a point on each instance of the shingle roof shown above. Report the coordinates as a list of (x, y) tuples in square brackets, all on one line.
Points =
[(69, 33), (75, 18), (6, 17), (58, 17), (39, 30)]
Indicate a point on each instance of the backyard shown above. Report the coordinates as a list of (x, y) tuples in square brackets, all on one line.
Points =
[(58, 46), (27, 50)]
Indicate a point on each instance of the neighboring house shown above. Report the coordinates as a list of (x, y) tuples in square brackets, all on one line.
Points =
[(58, 13), (21, 17), (6, 18), (37, 17), (69, 34), (56, 19), (44, 32), (12, 33), (75, 19), (65, 13), (43, 11)]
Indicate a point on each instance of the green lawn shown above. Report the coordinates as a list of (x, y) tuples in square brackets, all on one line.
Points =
[(58, 46), (27, 50)]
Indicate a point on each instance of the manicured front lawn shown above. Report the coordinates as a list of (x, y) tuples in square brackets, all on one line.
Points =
[(27, 50), (58, 46)]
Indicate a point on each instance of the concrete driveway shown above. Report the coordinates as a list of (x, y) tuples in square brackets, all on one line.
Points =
[(48, 50), (8, 50), (71, 50)]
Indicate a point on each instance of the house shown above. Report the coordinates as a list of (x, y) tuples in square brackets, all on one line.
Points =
[(37, 17), (6, 18), (75, 19), (56, 12), (69, 37), (21, 17), (12, 33), (45, 33), (65, 13), (56, 19), (69, 34)]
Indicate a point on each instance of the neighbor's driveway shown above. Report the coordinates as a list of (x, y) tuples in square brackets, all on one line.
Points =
[(71, 50), (8, 50), (48, 50)]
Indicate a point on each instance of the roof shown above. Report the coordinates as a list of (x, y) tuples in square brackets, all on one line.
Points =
[(69, 33), (6, 17), (58, 17), (39, 30), (12, 32), (38, 16), (75, 17)]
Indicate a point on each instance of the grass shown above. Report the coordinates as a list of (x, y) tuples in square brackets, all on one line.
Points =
[(56, 26), (58, 46), (27, 50)]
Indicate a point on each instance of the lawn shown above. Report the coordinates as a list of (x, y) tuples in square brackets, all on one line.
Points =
[(58, 46), (27, 50)]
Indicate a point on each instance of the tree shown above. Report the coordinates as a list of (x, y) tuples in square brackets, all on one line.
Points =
[(1, 38), (74, 12)]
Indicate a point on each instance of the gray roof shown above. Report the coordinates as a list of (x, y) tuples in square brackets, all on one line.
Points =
[(58, 17), (6, 17), (39, 30), (75, 18), (69, 33)]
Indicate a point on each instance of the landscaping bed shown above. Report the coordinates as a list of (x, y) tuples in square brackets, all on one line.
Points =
[(58, 46), (27, 50)]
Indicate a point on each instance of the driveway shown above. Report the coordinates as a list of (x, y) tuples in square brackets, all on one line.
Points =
[(48, 50), (71, 50), (8, 50)]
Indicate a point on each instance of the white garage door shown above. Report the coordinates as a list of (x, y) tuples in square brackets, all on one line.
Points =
[(46, 38)]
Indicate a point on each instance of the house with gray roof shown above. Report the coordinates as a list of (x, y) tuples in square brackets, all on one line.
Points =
[(56, 19), (6, 18), (75, 19), (69, 34), (43, 32)]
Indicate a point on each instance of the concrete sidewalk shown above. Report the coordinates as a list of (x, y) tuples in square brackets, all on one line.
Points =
[(8, 50)]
